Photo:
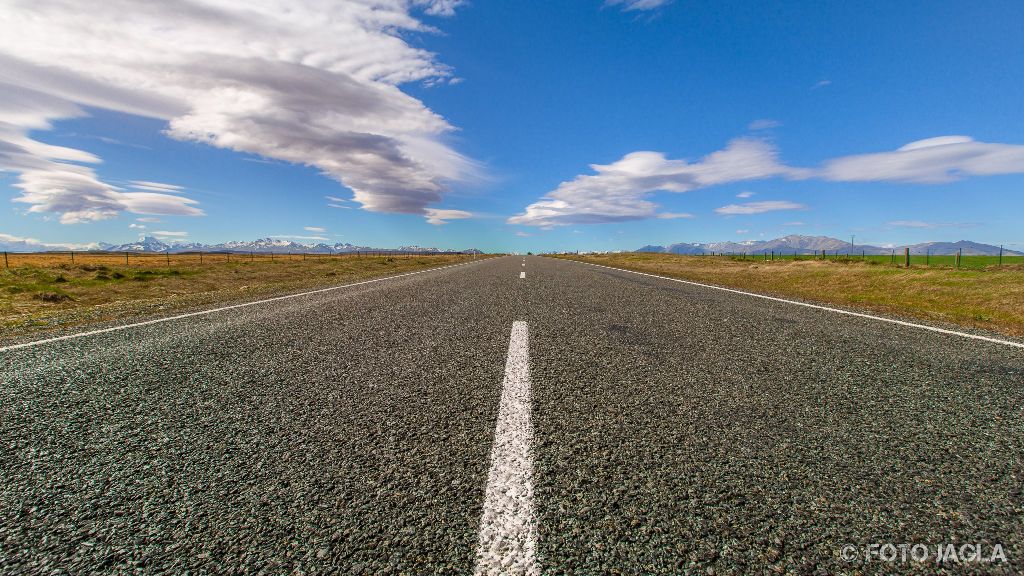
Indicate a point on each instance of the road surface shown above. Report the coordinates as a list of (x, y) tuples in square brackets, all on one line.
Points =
[(495, 417)]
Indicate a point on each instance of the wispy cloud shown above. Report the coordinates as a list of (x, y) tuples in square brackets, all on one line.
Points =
[(794, 223), (336, 202), (759, 207), (440, 7), (299, 81), (314, 229), (148, 219), (522, 234), (673, 215), (438, 217), (156, 186), (764, 124), (637, 5), (821, 84), (744, 194), (137, 226), (169, 234), (929, 161)]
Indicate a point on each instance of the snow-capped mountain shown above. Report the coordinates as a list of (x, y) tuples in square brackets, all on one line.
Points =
[(815, 244), (262, 246)]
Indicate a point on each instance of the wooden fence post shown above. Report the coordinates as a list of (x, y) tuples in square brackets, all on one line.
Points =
[(72, 256), (200, 256), (958, 254), (1000, 254), (125, 258), (906, 257), (5, 260)]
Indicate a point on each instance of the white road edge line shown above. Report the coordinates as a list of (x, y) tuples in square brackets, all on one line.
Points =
[(819, 307), (508, 527), (221, 309)]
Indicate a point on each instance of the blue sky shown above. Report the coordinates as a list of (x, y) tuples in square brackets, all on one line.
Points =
[(478, 124)]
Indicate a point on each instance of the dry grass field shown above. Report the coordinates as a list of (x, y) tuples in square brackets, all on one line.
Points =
[(990, 298), (41, 293)]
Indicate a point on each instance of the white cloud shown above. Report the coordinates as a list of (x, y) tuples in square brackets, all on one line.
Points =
[(673, 215), (522, 234), (336, 199), (794, 223), (53, 178), (314, 229), (764, 124), (339, 206), (440, 7), (303, 81), (169, 234), (821, 84), (20, 244), (137, 226), (631, 5), (148, 219), (759, 207), (933, 160), (620, 191), (437, 216), (742, 231), (156, 186)]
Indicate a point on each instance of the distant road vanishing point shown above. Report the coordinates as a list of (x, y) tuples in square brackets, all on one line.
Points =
[(501, 418)]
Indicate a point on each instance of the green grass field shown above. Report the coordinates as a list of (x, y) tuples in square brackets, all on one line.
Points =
[(44, 292), (940, 261)]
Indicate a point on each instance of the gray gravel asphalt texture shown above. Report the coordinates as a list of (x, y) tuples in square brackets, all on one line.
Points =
[(677, 429)]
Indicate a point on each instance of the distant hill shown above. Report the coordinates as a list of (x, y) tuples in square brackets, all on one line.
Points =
[(799, 244), (969, 248), (150, 244)]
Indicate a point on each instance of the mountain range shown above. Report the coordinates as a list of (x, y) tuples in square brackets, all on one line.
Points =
[(263, 245), (815, 244)]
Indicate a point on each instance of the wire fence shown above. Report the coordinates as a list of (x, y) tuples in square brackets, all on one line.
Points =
[(15, 259), (901, 258)]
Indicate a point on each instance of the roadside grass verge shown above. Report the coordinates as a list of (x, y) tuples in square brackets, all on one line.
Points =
[(49, 294), (990, 298)]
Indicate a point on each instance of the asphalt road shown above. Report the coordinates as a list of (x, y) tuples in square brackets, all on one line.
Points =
[(631, 425)]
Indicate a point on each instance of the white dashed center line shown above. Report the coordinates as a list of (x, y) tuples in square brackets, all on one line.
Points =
[(508, 528), (522, 274)]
